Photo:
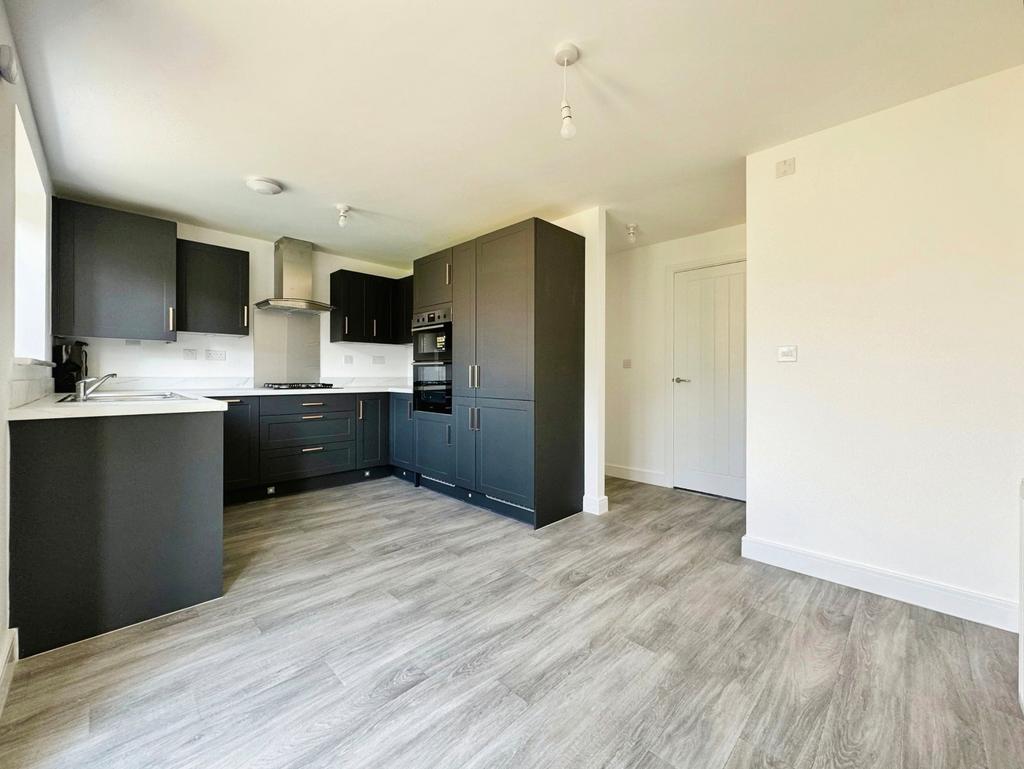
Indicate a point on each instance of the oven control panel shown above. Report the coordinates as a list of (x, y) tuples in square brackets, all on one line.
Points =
[(440, 315)]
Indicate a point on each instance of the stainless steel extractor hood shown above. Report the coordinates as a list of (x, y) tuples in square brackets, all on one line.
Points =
[(293, 279)]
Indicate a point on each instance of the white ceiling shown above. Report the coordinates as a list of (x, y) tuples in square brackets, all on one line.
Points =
[(437, 121)]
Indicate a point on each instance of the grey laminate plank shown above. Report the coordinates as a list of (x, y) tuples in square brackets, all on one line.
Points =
[(787, 720), (383, 625)]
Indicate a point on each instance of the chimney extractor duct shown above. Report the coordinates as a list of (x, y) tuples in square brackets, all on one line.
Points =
[(293, 279)]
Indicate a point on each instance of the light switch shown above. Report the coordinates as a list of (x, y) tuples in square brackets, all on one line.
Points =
[(787, 353), (627, 363), (349, 360), (189, 354), (379, 360)]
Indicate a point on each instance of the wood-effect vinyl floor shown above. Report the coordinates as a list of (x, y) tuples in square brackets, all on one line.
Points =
[(379, 625)]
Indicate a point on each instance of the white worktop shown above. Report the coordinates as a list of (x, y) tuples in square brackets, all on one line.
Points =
[(48, 407), (241, 392)]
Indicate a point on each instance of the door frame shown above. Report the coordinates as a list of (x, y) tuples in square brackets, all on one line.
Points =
[(668, 355)]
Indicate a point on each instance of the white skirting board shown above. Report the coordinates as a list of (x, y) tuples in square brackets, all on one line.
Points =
[(966, 604), (653, 477), (8, 656)]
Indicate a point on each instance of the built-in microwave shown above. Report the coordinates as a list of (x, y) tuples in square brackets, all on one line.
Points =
[(432, 387), (432, 335)]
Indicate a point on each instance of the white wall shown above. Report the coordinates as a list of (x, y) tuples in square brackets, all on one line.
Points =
[(592, 224), (639, 408), (13, 378), (890, 455), (31, 254)]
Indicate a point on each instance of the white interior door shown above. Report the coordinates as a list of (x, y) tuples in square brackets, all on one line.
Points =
[(709, 380)]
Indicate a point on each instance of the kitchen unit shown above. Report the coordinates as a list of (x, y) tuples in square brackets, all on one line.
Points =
[(116, 514), (114, 274), (212, 289), (513, 437), (370, 308)]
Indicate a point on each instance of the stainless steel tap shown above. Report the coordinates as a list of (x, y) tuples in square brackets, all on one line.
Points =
[(86, 387)]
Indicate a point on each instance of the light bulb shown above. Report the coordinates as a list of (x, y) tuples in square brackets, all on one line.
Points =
[(342, 215), (568, 128)]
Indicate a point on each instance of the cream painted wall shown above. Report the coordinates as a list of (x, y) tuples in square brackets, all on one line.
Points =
[(890, 455), (592, 224), (639, 405), (13, 378)]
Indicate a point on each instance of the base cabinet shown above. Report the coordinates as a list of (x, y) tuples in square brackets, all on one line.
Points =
[(465, 443), (505, 450), (241, 443), (401, 444), (435, 446), (372, 430)]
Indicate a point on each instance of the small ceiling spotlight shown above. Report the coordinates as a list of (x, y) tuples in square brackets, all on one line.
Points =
[(631, 230), (263, 185), (343, 214), (565, 54), (8, 64)]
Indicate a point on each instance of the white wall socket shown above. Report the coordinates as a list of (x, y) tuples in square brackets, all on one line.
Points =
[(785, 167), (786, 353), (188, 354), (216, 355), (627, 363), (379, 360)]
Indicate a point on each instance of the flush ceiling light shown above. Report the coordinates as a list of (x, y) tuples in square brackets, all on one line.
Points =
[(631, 230), (565, 54), (263, 185), (343, 214)]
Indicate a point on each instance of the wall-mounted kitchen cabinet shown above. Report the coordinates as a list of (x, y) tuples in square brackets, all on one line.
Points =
[(113, 273), (365, 309), (212, 289), (517, 310), (401, 311), (432, 284)]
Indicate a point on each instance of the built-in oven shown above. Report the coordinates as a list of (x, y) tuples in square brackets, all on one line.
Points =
[(432, 387), (432, 335)]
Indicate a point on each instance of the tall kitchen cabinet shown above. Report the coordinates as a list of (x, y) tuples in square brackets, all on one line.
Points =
[(517, 327)]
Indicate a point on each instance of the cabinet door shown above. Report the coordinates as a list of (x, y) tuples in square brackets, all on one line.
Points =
[(213, 289), (241, 443), (465, 443), (435, 449), (348, 295), (504, 450), (378, 309), (402, 431), (504, 313), (113, 273), (432, 282), (401, 311), (463, 318), (371, 430)]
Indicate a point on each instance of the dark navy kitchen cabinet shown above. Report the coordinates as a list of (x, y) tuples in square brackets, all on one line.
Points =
[(432, 280), (435, 446), (212, 289), (348, 295), (241, 443), (372, 430), (504, 451), (401, 311), (464, 413), (402, 438), (113, 273)]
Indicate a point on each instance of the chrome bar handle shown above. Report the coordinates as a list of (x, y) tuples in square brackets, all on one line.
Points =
[(170, 318), (447, 273), (245, 316), (313, 416), (346, 324), (375, 327), (361, 409), (316, 448)]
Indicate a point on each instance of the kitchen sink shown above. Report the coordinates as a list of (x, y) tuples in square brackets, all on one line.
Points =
[(126, 398)]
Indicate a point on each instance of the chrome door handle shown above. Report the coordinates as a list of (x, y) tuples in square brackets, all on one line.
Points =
[(317, 448), (319, 403), (314, 416), (375, 327), (361, 409), (678, 379), (346, 324), (245, 316), (170, 319), (470, 369), (447, 273)]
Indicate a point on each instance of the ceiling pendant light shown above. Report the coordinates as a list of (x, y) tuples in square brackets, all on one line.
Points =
[(566, 54), (343, 214), (631, 230)]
